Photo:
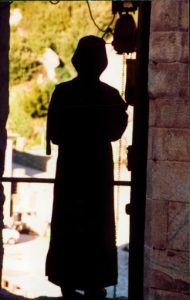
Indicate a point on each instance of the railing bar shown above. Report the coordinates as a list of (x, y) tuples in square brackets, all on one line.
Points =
[(27, 179), (49, 180), (122, 183)]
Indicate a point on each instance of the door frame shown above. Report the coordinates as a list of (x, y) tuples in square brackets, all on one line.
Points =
[(140, 153)]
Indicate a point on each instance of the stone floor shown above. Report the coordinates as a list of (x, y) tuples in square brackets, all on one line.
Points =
[(5, 295)]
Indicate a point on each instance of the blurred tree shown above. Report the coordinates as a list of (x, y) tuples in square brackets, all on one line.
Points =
[(51, 26), (41, 26)]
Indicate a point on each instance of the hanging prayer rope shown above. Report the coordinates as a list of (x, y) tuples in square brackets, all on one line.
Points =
[(122, 93)]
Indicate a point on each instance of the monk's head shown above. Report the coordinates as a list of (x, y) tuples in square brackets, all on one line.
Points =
[(90, 58)]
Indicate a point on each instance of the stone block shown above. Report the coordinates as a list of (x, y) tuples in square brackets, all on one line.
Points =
[(169, 271), (170, 112), (184, 15), (163, 281), (170, 144), (154, 294), (168, 79), (170, 181), (166, 46), (169, 46), (164, 15), (34, 161), (178, 226), (150, 142), (156, 222), (185, 47), (149, 179), (148, 220), (147, 264)]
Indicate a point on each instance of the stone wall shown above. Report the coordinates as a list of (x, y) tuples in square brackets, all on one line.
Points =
[(167, 243), (38, 162)]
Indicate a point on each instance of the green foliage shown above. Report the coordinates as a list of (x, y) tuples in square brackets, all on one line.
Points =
[(43, 26), (62, 74), (27, 111), (23, 61), (59, 27), (19, 120), (36, 101)]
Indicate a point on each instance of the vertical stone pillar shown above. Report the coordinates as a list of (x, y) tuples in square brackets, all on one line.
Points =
[(167, 244), (4, 96)]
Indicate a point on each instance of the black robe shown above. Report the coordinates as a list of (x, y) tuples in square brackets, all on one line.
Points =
[(83, 119)]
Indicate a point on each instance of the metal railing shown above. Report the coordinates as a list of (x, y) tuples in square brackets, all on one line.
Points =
[(51, 180)]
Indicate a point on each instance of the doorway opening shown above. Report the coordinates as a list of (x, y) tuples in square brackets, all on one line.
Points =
[(33, 156)]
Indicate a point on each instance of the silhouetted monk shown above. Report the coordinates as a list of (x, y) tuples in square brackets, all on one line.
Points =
[(84, 116)]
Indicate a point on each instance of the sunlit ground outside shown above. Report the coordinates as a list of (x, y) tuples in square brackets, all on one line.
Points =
[(24, 262)]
